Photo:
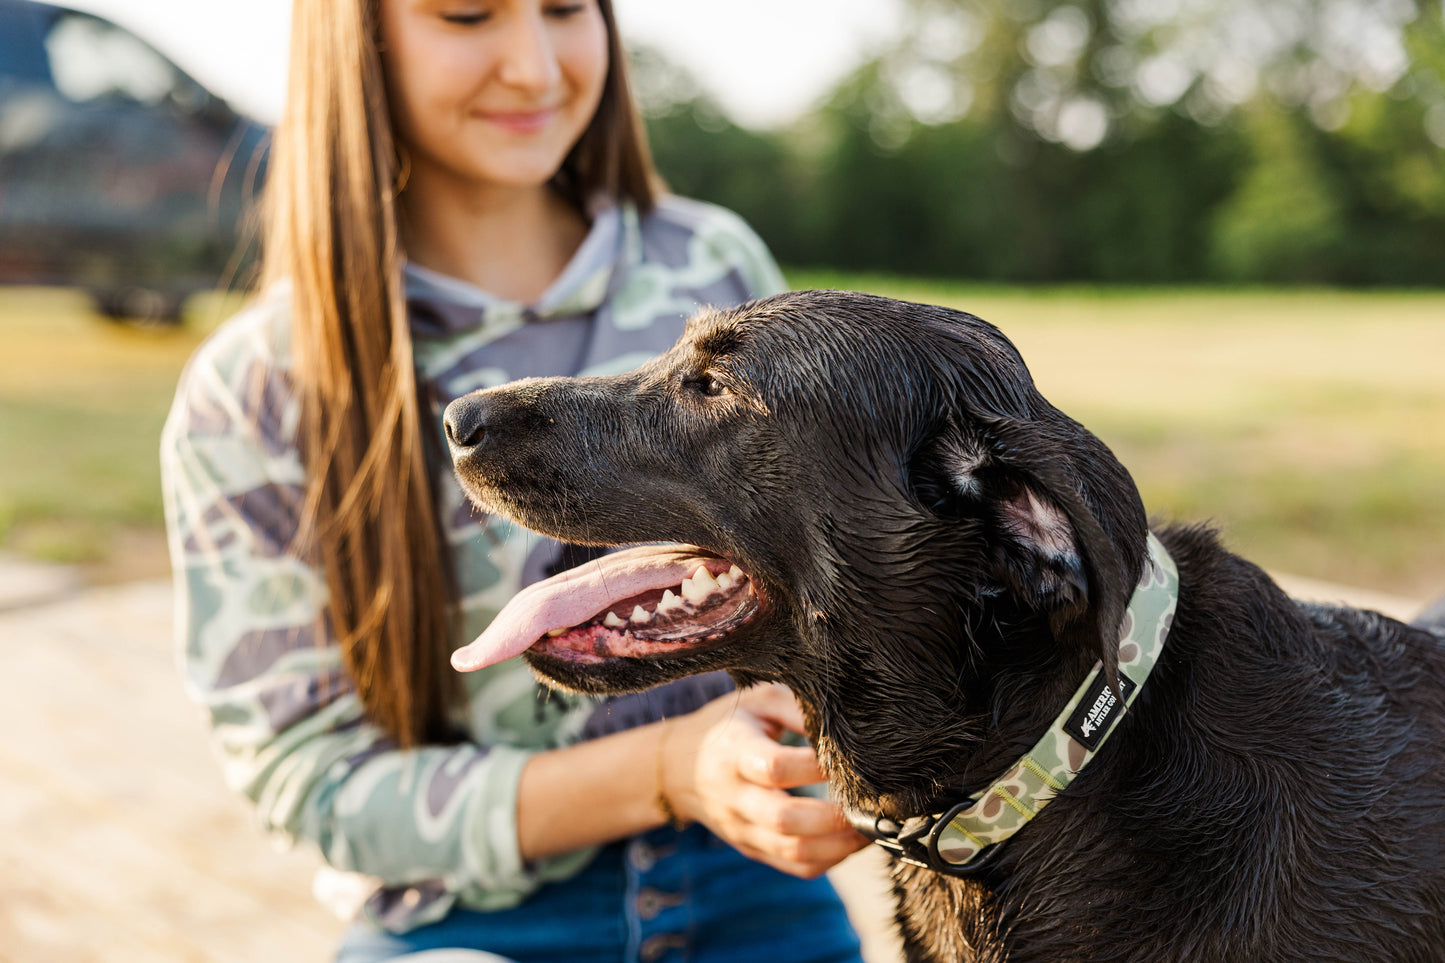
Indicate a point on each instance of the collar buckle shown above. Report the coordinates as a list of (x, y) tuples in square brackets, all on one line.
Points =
[(899, 839), (915, 841)]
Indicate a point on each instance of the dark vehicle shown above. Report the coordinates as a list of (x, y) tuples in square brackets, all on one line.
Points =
[(119, 174)]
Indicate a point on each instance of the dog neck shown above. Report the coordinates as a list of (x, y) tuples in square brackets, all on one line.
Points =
[(962, 839)]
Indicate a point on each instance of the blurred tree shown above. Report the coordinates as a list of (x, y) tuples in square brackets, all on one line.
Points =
[(1112, 140), (702, 153), (1286, 220)]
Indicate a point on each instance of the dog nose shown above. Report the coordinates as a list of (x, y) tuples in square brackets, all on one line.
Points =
[(465, 422)]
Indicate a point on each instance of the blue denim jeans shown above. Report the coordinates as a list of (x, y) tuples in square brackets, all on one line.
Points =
[(663, 897)]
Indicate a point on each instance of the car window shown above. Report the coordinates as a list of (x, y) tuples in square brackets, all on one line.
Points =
[(22, 60), (92, 59)]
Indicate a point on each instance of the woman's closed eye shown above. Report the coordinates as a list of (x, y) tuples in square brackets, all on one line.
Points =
[(469, 17), (466, 17)]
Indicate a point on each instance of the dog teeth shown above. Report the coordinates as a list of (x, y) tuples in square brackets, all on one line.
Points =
[(693, 592), (725, 581), (612, 621), (735, 572), (553, 633), (669, 601), (703, 579), (639, 614)]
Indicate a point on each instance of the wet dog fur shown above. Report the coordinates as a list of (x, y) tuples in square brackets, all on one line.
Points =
[(941, 556)]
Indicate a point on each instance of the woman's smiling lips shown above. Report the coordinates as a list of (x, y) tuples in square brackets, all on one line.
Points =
[(520, 121)]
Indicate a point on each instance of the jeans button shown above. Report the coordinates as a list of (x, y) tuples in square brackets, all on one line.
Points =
[(657, 944), (651, 901), (641, 855)]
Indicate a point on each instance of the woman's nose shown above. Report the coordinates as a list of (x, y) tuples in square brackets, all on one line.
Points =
[(529, 57)]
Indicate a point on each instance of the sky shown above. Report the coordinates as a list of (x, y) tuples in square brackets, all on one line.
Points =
[(765, 61)]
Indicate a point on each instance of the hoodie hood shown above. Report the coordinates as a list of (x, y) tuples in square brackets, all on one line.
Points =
[(442, 306)]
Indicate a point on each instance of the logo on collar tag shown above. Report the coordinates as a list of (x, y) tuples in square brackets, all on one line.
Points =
[(1097, 711)]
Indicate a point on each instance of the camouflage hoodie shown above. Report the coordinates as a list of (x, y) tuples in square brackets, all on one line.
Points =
[(428, 827)]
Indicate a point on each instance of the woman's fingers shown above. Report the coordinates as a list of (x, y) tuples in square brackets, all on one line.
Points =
[(775, 703), (767, 763), (801, 836), (805, 856), (728, 772), (779, 813)]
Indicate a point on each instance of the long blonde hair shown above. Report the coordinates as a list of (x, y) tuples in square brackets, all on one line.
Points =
[(331, 231)]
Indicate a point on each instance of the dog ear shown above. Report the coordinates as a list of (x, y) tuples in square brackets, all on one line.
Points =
[(1047, 547)]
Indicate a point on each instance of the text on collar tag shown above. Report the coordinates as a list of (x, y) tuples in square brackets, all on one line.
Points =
[(1096, 713)]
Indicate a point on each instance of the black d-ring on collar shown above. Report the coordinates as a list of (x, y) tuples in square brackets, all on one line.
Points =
[(915, 841)]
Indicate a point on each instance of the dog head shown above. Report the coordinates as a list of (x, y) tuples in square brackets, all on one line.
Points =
[(870, 502)]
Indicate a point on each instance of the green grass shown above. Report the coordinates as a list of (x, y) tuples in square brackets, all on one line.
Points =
[(82, 401), (1308, 425)]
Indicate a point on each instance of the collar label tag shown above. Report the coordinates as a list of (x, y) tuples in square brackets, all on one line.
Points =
[(1097, 711)]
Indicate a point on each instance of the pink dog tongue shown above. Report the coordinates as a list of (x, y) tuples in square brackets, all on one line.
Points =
[(575, 596)]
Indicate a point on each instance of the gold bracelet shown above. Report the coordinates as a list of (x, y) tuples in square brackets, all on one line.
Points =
[(664, 805)]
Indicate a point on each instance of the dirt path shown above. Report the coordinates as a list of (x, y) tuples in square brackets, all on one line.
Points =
[(118, 840)]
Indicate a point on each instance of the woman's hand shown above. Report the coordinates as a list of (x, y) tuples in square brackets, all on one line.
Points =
[(723, 767)]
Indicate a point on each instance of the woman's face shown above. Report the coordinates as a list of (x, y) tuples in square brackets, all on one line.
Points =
[(493, 92)]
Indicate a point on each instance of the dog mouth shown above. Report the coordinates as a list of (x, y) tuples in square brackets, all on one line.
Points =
[(645, 602)]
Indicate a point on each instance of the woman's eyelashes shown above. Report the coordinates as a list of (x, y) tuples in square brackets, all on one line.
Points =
[(474, 17), (465, 14)]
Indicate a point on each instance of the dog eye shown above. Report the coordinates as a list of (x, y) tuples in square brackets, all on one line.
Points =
[(708, 385)]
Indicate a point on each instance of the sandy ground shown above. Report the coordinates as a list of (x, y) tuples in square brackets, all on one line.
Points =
[(118, 841)]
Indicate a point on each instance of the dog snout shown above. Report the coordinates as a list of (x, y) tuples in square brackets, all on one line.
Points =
[(465, 421)]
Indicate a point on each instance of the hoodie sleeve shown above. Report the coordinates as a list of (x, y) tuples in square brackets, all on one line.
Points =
[(256, 654)]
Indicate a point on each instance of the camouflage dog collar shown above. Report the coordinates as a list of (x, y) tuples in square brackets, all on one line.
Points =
[(958, 841)]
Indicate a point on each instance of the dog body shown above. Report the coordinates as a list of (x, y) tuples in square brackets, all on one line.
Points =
[(879, 510)]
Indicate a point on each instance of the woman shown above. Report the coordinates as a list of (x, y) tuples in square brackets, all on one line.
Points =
[(460, 194)]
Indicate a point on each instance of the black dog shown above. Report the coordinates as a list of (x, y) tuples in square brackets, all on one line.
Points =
[(879, 510)]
